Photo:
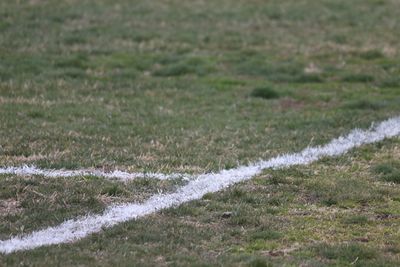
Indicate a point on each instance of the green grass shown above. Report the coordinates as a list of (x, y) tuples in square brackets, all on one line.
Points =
[(358, 78), (349, 253), (389, 172), (194, 87), (357, 219), (264, 92)]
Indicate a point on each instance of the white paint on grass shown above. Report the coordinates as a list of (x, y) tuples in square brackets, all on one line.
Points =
[(73, 230), (119, 175)]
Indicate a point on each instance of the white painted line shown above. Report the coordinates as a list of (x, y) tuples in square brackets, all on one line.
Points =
[(76, 229), (119, 175)]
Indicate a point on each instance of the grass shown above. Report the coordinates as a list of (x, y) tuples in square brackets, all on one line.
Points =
[(358, 78), (30, 203), (349, 253), (357, 219), (264, 92), (165, 86), (93, 93), (389, 171), (365, 104), (271, 223)]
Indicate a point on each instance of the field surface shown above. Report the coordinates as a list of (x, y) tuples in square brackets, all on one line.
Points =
[(197, 87)]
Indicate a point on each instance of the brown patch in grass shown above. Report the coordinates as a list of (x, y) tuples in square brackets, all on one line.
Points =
[(9, 207), (290, 103), (287, 250), (21, 159), (108, 200), (23, 100), (48, 103), (386, 49), (312, 69)]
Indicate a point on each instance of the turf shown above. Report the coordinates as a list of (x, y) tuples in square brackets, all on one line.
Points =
[(170, 86)]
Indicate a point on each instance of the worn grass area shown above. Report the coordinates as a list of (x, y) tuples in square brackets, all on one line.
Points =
[(199, 86)]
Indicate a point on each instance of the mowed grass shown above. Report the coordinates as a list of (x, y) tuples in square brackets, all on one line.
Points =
[(194, 87)]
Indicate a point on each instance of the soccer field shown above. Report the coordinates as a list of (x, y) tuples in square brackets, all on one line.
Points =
[(148, 133)]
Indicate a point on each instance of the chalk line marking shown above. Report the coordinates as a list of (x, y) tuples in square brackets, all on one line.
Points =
[(76, 229), (118, 175)]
